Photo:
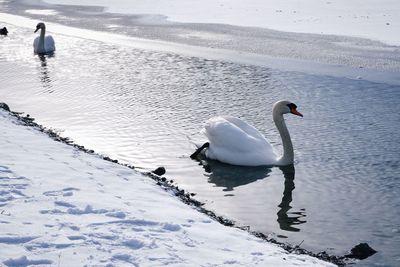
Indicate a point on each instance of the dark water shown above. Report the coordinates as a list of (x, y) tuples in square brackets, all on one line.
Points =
[(144, 107)]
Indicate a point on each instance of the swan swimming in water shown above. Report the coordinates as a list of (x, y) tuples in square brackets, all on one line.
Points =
[(42, 44), (4, 31), (233, 141)]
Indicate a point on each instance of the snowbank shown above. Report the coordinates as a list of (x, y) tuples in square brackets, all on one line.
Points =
[(62, 207)]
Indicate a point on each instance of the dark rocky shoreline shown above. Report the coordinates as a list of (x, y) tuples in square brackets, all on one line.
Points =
[(359, 252)]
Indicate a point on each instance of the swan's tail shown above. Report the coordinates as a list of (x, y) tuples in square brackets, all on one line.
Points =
[(196, 143), (199, 150)]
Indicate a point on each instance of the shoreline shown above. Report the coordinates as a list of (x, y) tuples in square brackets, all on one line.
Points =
[(186, 197)]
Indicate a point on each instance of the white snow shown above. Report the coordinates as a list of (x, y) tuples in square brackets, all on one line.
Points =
[(63, 207), (373, 19)]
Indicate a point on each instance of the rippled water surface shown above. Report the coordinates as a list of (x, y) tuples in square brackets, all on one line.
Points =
[(145, 108)]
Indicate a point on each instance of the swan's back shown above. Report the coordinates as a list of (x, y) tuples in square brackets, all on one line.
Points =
[(49, 44), (236, 142)]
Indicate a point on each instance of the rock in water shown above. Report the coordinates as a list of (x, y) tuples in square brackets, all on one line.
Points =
[(361, 251), (4, 106), (159, 171)]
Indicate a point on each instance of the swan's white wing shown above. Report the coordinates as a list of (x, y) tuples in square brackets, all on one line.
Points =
[(233, 133), (247, 128), (49, 44), (234, 141)]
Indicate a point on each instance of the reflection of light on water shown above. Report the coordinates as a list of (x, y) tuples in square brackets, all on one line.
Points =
[(113, 26), (46, 12)]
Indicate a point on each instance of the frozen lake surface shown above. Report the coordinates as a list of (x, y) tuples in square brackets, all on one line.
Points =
[(142, 107), (373, 19)]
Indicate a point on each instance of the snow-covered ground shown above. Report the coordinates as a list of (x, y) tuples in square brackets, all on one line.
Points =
[(373, 19), (60, 206)]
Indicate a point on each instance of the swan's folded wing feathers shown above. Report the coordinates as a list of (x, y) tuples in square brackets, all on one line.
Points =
[(223, 133), (234, 141), (49, 43), (247, 128)]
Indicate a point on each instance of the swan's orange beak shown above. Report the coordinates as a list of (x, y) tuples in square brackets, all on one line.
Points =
[(295, 112)]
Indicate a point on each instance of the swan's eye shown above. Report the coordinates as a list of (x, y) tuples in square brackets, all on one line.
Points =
[(292, 106), (293, 109)]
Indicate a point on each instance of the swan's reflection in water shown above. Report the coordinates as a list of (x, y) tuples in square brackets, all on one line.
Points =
[(229, 177), (44, 73), (287, 219)]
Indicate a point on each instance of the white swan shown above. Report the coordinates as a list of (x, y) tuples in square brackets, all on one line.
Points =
[(235, 142), (42, 44)]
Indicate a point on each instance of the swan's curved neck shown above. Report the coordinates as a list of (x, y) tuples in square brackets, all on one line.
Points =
[(41, 40), (288, 155)]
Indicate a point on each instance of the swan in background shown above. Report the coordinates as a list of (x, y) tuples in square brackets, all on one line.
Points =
[(42, 44), (233, 141)]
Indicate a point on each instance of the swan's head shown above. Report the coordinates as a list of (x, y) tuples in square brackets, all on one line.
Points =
[(284, 107), (39, 26)]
